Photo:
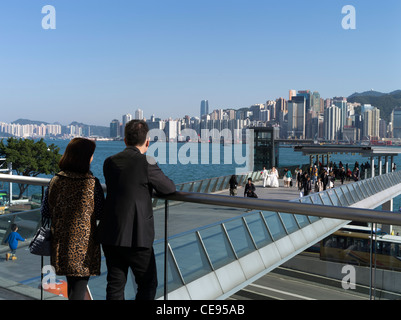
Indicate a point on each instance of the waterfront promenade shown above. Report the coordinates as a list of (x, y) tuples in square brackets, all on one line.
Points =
[(19, 279)]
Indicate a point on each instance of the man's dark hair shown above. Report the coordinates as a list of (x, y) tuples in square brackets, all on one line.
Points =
[(13, 227), (136, 132)]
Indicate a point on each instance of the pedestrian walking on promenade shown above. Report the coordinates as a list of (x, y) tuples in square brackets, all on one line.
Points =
[(233, 185), (287, 179)]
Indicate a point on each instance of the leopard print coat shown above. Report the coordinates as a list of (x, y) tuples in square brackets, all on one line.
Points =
[(73, 205)]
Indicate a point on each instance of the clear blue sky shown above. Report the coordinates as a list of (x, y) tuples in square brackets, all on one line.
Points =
[(108, 58)]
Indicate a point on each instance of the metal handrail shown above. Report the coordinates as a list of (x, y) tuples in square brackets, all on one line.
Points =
[(335, 212)]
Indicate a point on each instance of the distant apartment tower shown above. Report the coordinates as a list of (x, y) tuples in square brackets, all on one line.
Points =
[(291, 94), (171, 130), (139, 114), (315, 103), (296, 117), (114, 128), (126, 118), (204, 108), (396, 122), (371, 123), (332, 116), (341, 103)]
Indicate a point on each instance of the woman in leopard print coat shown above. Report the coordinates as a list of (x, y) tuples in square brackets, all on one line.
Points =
[(73, 202)]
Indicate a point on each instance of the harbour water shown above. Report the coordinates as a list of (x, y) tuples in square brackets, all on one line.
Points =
[(191, 165)]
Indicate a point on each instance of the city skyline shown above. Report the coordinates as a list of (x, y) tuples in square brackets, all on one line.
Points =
[(105, 60)]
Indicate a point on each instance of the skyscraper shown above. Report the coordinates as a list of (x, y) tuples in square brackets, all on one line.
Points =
[(296, 117), (371, 122), (396, 122), (308, 98), (315, 103), (114, 128), (126, 118), (139, 114), (204, 108), (332, 122), (341, 103), (292, 93)]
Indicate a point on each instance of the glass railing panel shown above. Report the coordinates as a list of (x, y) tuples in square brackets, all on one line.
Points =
[(188, 245), (213, 184), (341, 197), (347, 194), (313, 218), (369, 185), (373, 186), (315, 198), (362, 191), (331, 193), (289, 221), (324, 198), (383, 181), (390, 179), (378, 183), (365, 191), (174, 280), (274, 224), (358, 192), (194, 186), (302, 220), (217, 246), (258, 229), (239, 237), (354, 193)]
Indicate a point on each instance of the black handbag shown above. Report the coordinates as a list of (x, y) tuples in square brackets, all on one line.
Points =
[(41, 243)]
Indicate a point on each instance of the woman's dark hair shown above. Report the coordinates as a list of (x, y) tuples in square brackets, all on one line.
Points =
[(77, 155), (136, 132)]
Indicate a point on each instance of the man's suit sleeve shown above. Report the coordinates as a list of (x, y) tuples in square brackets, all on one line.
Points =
[(159, 181)]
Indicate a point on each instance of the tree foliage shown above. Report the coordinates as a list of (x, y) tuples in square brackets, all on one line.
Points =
[(30, 158)]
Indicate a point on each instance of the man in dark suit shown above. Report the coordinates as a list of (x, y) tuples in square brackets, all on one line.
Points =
[(126, 228)]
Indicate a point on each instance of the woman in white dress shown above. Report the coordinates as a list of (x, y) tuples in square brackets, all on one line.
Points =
[(274, 178)]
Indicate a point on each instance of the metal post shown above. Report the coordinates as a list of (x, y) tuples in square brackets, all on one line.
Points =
[(165, 248), (370, 261), (10, 185), (41, 257)]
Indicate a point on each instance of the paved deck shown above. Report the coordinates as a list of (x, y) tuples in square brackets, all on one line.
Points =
[(19, 279)]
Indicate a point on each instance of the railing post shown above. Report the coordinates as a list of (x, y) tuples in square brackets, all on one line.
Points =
[(41, 257), (165, 249)]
